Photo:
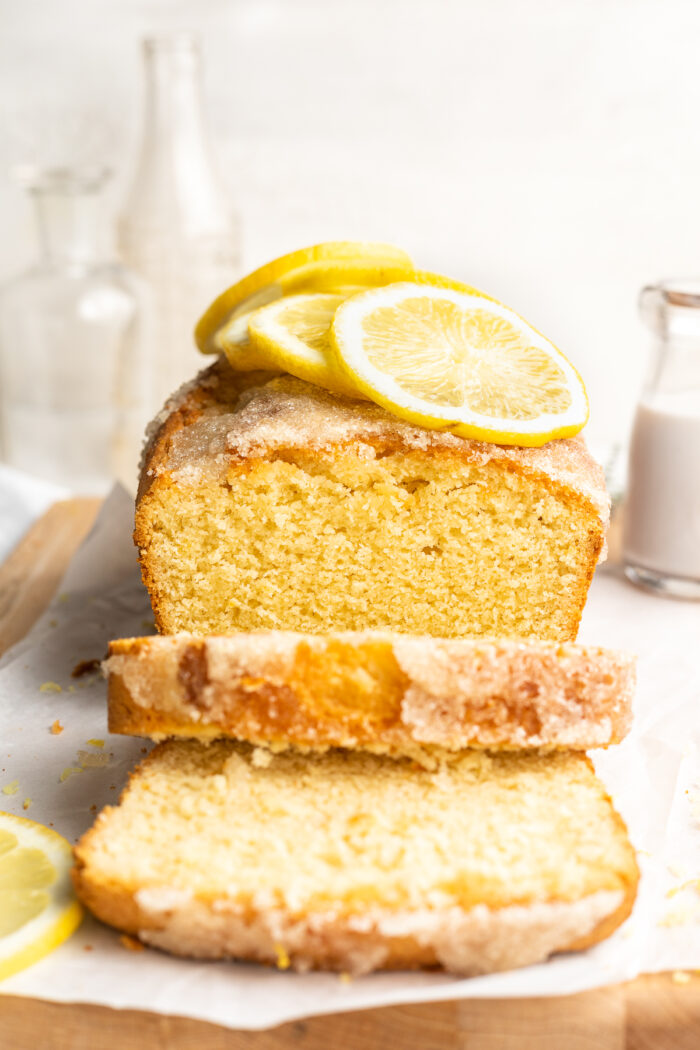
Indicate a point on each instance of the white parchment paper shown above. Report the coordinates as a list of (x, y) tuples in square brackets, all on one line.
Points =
[(654, 778)]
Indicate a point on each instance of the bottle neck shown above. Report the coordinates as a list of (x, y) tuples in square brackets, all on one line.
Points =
[(70, 225), (175, 189), (174, 108), (672, 312)]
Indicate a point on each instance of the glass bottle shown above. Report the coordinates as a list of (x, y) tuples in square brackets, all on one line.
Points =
[(72, 402), (177, 229), (661, 533)]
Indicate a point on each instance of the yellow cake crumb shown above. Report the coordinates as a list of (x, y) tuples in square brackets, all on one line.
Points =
[(27, 803), (50, 687), (261, 758), (90, 760), (96, 742), (132, 944), (56, 727), (12, 788), (68, 772)]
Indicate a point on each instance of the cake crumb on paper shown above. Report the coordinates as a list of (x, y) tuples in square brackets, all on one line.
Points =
[(95, 742), (68, 772), (84, 667), (132, 944), (56, 727), (27, 803), (50, 687), (12, 788), (90, 760)]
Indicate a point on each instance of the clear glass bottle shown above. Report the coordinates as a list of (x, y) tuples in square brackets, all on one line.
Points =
[(661, 534), (177, 229), (72, 401)]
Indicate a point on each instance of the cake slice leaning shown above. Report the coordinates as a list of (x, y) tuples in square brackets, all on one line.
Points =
[(379, 691), (356, 863), (266, 502)]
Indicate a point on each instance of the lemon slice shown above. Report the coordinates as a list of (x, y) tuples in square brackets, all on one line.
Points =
[(336, 266), (446, 357), (38, 910), (291, 335)]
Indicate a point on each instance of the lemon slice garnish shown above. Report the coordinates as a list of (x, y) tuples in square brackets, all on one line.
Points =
[(291, 335), (336, 266), (38, 909), (446, 357)]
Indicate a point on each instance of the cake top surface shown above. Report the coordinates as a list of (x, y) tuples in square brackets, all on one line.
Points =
[(256, 415)]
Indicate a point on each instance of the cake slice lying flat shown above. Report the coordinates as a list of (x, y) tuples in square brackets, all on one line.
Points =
[(269, 503), (357, 863), (382, 692)]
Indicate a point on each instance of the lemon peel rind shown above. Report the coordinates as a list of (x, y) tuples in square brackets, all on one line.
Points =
[(68, 915), (379, 387), (229, 302), (283, 351), (345, 277), (64, 927)]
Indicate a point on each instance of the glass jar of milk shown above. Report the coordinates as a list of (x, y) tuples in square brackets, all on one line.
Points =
[(661, 536)]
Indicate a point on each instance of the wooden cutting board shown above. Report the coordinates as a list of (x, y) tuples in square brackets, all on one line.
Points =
[(652, 1013)]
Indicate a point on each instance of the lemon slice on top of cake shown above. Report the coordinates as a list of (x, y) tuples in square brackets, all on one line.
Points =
[(335, 266)]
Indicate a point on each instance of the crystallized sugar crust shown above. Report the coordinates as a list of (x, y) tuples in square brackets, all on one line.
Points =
[(478, 941), (281, 412), (375, 690)]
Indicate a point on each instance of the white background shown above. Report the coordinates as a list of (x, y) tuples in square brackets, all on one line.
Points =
[(547, 151)]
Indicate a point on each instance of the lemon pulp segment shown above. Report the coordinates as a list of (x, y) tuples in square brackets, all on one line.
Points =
[(291, 335), (452, 359)]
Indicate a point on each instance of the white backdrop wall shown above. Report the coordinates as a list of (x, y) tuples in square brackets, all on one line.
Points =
[(548, 151)]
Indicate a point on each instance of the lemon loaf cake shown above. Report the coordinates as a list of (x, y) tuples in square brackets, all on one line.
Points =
[(266, 502), (379, 691), (355, 863)]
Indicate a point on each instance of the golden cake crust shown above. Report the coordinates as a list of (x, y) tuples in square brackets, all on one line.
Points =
[(253, 415), (378, 691)]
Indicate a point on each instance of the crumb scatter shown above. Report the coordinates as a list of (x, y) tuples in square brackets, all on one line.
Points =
[(84, 667)]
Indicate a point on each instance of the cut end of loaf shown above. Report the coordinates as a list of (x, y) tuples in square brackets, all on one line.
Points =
[(281, 506)]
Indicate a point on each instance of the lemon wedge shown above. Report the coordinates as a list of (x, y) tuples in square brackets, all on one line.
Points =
[(447, 357), (335, 266), (38, 910), (291, 335)]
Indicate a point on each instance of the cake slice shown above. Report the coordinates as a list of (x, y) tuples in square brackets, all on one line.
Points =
[(269, 503), (383, 692), (355, 863)]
